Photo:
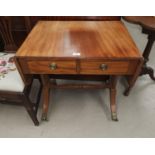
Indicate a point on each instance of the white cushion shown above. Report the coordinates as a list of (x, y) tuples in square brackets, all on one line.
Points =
[(10, 79)]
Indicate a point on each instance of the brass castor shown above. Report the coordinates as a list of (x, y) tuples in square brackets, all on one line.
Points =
[(114, 117), (44, 117)]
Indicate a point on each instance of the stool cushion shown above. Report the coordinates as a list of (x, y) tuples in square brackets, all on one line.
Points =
[(10, 79)]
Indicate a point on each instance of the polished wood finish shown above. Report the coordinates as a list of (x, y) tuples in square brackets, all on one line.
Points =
[(113, 82), (148, 27), (64, 39), (44, 67), (79, 86), (83, 67), (14, 29), (82, 48), (46, 92), (112, 67)]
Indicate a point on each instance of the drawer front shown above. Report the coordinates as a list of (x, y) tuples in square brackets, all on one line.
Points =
[(108, 67), (52, 67)]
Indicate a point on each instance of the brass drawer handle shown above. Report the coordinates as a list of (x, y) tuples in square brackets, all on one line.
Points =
[(53, 66), (104, 67)]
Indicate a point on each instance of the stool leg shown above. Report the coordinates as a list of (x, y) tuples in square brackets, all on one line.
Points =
[(29, 107)]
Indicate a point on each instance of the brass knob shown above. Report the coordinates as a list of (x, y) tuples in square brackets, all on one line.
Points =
[(53, 66), (104, 67)]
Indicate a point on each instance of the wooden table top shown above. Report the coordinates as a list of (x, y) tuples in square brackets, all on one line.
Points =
[(79, 39), (147, 22)]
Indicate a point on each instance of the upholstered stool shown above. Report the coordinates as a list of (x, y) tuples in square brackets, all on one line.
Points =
[(10, 79), (12, 87)]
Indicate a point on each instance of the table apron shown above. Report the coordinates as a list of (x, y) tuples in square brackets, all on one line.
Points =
[(84, 67)]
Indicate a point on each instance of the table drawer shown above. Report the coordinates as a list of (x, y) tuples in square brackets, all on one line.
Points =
[(107, 67), (52, 67)]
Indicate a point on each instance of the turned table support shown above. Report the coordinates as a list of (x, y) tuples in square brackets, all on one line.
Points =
[(113, 82), (46, 93), (110, 84)]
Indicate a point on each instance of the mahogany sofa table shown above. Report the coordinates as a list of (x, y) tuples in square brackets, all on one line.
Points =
[(80, 49)]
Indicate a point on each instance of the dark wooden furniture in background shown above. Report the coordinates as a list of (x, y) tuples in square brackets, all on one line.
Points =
[(1, 44), (80, 48), (148, 27), (6, 34), (14, 29)]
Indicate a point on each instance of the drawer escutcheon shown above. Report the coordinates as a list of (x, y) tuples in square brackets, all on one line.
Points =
[(103, 67), (53, 66)]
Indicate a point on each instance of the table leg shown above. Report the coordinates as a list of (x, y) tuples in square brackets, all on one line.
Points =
[(46, 92), (113, 82), (132, 79)]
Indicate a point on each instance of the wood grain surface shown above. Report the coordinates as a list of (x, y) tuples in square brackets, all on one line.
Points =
[(43, 67), (79, 39), (113, 67)]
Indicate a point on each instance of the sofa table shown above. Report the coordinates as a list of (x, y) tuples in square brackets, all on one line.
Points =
[(80, 49)]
